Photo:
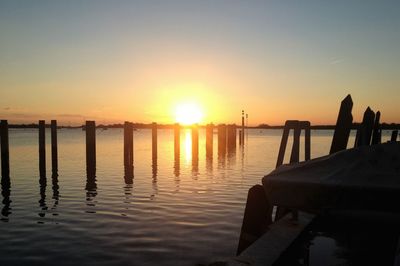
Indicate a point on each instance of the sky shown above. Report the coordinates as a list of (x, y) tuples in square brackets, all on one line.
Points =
[(113, 61)]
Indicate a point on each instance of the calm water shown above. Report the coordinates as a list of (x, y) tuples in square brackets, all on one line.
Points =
[(182, 213)]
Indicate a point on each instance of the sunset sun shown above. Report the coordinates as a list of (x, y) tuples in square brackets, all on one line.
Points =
[(188, 114)]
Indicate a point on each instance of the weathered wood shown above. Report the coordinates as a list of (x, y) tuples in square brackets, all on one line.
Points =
[(128, 150), (307, 142), (222, 139), (343, 126), (5, 153), (295, 154), (177, 139), (242, 127), (42, 148), (209, 140), (394, 135), (54, 149), (256, 219), (284, 140), (231, 138), (365, 128), (154, 140), (195, 142), (376, 134), (91, 150)]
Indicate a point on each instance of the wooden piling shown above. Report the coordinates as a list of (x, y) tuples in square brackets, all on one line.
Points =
[(54, 150), (377, 132), (307, 141), (195, 142), (242, 127), (154, 139), (5, 153), (282, 147), (394, 135), (343, 126), (91, 149), (209, 140), (222, 139), (256, 219), (364, 132), (42, 148), (128, 150), (177, 140), (231, 137)]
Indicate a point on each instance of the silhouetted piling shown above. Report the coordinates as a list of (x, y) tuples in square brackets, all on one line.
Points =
[(42, 148), (364, 131), (394, 135), (5, 153), (377, 131), (242, 127), (128, 150), (90, 150), (209, 140), (256, 218), (343, 126), (177, 140), (222, 139), (231, 137), (195, 142), (154, 140), (307, 141), (240, 137), (54, 151)]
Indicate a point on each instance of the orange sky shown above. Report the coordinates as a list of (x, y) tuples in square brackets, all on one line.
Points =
[(139, 61)]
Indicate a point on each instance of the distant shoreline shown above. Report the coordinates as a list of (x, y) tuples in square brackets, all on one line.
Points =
[(143, 126)]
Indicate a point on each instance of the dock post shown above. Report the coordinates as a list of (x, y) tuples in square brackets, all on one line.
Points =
[(307, 141), (195, 142), (42, 148), (343, 126), (231, 140), (242, 127), (5, 153), (154, 139), (377, 132), (394, 135), (54, 151), (177, 140), (256, 219), (128, 151), (364, 132), (222, 139), (209, 140), (91, 149)]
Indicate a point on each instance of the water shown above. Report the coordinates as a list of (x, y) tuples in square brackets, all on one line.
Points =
[(184, 213)]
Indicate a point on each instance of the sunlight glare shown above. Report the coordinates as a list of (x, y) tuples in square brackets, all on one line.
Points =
[(188, 114)]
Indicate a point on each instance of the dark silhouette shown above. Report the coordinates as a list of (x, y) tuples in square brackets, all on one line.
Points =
[(5, 192), (128, 152), (5, 154), (54, 152), (154, 140), (343, 126), (42, 200), (394, 135), (42, 149), (90, 148), (377, 131), (209, 140), (364, 131)]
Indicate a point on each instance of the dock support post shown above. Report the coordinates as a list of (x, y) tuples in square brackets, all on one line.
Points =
[(364, 131), (91, 149), (177, 140), (209, 140), (42, 148), (377, 132), (195, 142), (343, 126), (5, 153), (128, 152), (154, 140), (54, 150), (394, 135), (256, 219), (222, 139), (242, 127)]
